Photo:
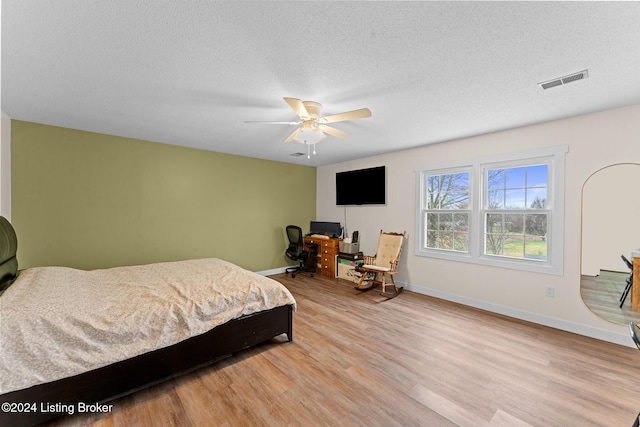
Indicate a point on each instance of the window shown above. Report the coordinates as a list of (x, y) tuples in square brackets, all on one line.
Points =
[(504, 211), (514, 211), (446, 211)]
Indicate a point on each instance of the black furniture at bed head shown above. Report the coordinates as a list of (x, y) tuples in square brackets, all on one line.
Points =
[(8, 249)]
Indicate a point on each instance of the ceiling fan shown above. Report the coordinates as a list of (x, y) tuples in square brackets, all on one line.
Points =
[(313, 128)]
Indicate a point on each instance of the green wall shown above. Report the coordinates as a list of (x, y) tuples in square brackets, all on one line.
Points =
[(87, 200)]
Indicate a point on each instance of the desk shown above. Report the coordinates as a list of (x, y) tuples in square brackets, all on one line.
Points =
[(635, 288), (327, 254)]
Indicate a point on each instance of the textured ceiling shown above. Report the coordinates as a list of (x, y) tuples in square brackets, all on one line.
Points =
[(191, 72)]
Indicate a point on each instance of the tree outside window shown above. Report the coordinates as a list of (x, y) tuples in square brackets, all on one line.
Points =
[(515, 211), (446, 212)]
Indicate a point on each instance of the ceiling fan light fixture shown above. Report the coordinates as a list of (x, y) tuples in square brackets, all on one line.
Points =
[(313, 128), (309, 135)]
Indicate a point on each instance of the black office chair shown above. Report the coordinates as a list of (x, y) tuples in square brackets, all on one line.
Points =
[(296, 252), (627, 288)]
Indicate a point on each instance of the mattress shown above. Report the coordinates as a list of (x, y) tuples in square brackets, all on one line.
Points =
[(56, 322)]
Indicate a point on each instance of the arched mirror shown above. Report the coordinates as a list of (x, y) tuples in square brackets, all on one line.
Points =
[(610, 228)]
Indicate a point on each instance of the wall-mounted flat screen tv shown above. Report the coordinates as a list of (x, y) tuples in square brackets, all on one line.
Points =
[(361, 187)]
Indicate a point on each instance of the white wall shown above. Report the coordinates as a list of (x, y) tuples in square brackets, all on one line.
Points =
[(595, 141), (5, 166)]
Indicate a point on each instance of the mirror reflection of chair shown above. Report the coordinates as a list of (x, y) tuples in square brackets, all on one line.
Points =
[(384, 264), (296, 252), (627, 288), (634, 330)]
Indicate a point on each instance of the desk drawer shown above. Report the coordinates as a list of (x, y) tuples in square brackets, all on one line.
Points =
[(328, 265), (329, 245), (327, 254)]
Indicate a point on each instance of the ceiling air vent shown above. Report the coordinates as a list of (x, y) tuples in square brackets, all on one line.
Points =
[(296, 154), (564, 80)]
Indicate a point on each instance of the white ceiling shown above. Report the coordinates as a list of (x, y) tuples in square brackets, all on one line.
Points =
[(191, 72)]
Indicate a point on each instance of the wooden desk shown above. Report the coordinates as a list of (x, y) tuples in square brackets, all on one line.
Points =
[(327, 254), (635, 288)]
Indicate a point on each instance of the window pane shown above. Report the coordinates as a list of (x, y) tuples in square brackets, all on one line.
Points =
[(494, 223), (536, 224), (431, 239), (536, 248), (515, 177), (461, 221), (450, 191), (447, 230), (493, 244), (495, 179), (461, 232), (514, 246), (432, 192), (495, 199), (514, 223), (517, 188), (432, 221), (537, 198), (537, 176), (461, 241), (445, 241), (462, 180), (446, 221), (514, 199), (459, 200)]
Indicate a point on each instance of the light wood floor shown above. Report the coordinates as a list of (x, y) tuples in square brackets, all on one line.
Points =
[(601, 294), (359, 360)]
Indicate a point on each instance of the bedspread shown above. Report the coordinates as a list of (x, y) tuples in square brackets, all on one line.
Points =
[(57, 322)]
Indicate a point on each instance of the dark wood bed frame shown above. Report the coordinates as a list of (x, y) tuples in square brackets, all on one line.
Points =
[(119, 379), (125, 377)]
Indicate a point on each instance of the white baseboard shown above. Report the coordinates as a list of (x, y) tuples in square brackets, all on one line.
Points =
[(273, 271), (622, 338)]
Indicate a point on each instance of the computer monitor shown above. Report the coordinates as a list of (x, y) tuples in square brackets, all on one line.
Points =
[(331, 229)]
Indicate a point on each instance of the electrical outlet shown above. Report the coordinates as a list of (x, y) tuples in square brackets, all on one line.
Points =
[(550, 291)]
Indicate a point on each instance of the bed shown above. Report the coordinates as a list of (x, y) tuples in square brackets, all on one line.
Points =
[(72, 338)]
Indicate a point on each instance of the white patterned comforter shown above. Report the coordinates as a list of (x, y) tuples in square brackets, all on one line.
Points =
[(56, 322)]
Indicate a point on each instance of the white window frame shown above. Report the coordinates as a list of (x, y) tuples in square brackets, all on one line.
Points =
[(423, 210), (554, 157)]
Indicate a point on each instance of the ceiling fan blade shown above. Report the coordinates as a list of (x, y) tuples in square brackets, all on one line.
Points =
[(362, 113), (334, 132), (271, 123), (293, 134), (297, 106)]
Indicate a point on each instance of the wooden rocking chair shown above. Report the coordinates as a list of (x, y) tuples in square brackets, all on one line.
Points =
[(384, 263)]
